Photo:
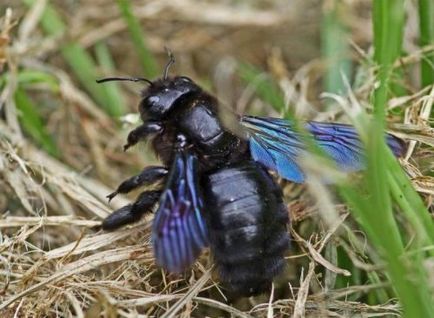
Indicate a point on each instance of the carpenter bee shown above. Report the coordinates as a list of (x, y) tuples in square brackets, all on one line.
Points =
[(218, 190)]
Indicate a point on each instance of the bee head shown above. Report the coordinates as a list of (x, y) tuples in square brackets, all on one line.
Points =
[(163, 94)]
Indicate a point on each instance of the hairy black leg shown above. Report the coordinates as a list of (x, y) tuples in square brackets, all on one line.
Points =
[(132, 212), (142, 132), (148, 176)]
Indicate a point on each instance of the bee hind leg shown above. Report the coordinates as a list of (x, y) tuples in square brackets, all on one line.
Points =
[(132, 212)]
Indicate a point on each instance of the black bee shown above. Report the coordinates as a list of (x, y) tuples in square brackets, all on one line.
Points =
[(218, 191)]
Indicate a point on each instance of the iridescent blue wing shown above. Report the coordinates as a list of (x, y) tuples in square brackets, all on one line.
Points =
[(179, 229), (275, 144)]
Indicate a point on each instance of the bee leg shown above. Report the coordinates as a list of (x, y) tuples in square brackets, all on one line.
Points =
[(148, 176), (132, 212), (142, 132)]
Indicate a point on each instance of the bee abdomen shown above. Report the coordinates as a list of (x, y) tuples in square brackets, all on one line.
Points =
[(247, 226)]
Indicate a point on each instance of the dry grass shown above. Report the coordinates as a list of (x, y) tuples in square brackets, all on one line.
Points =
[(54, 262)]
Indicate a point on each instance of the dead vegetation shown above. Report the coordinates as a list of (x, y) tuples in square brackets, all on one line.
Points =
[(54, 262)]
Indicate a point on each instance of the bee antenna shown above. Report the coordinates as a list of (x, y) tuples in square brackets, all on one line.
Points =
[(132, 79), (169, 63)]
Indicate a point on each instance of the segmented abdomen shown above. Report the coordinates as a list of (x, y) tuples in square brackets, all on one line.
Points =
[(247, 226)]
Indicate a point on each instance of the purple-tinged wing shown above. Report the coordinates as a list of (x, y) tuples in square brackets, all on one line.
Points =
[(275, 144), (341, 142), (179, 229)]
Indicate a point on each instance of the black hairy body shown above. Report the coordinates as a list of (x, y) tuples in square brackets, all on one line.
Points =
[(243, 207), (247, 225)]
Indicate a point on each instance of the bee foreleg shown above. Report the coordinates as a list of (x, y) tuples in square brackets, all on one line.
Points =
[(148, 176), (132, 212), (142, 132)]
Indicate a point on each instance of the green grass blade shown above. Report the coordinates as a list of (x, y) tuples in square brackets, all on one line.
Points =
[(84, 68), (117, 107), (32, 122), (379, 194), (149, 65), (335, 47), (408, 277), (388, 31), (78, 59), (426, 27), (410, 202), (28, 76)]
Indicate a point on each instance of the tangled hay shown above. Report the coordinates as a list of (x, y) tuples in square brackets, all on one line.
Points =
[(54, 261)]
